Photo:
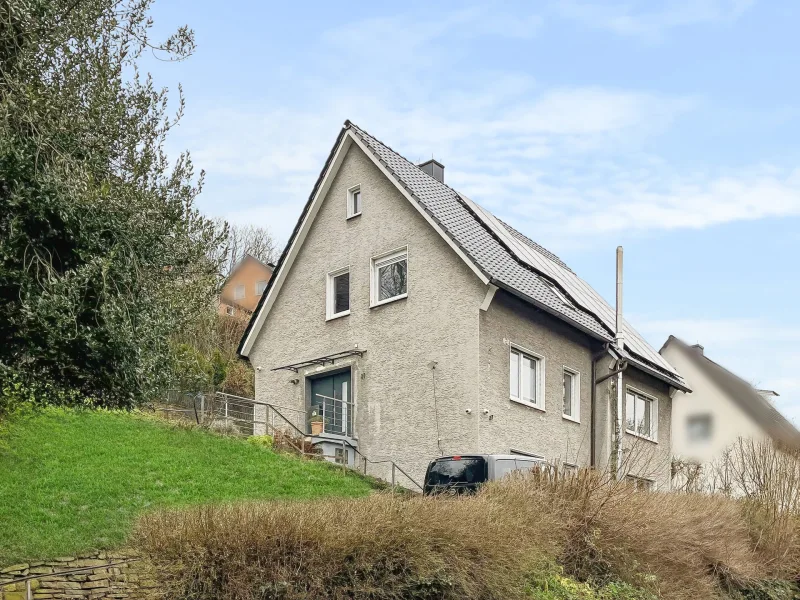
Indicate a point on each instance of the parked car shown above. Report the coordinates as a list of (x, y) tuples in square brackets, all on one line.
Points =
[(463, 474)]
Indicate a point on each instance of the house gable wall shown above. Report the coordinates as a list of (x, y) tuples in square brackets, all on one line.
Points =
[(729, 420), (248, 274), (393, 382)]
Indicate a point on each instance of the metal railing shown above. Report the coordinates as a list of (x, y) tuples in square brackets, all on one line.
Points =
[(336, 414), (246, 416)]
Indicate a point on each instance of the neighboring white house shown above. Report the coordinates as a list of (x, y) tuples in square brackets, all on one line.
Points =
[(721, 408), (403, 321)]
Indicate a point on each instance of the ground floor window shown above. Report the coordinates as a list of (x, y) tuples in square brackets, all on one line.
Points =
[(641, 484)]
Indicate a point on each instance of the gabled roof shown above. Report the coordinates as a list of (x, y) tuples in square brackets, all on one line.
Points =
[(497, 253), (748, 398), (249, 257)]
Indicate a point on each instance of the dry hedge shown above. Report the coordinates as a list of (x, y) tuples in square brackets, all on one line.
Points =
[(485, 547)]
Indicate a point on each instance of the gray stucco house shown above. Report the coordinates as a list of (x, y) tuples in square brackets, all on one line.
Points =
[(419, 324)]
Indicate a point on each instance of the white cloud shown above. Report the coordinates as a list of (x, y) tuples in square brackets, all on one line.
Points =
[(638, 19), (558, 162)]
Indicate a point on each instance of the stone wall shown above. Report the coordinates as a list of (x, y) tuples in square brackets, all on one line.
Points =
[(110, 575)]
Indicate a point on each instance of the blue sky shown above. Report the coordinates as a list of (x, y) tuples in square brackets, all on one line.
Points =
[(669, 128)]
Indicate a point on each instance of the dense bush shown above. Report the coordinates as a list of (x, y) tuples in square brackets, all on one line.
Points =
[(102, 255)]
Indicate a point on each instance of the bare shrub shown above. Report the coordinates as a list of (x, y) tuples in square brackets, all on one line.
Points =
[(675, 545), (766, 479), (379, 547), (681, 546)]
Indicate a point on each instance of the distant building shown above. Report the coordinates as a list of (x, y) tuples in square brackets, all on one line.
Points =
[(244, 286), (721, 408)]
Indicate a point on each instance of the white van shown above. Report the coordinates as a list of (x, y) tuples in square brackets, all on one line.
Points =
[(461, 474)]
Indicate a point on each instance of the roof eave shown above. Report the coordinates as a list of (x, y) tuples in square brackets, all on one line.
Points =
[(541, 306)]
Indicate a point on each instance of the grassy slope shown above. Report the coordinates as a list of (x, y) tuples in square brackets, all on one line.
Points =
[(74, 481)]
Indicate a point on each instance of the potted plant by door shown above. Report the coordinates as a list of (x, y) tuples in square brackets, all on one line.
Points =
[(317, 424)]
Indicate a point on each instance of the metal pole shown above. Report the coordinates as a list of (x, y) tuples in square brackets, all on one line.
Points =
[(392, 476)]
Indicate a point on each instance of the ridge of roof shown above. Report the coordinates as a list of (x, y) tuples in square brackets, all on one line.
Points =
[(770, 417), (477, 240), (480, 242), (501, 262)]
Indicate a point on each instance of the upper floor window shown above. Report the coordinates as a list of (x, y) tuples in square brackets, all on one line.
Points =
[(389, 277), (238, 292), (641, 413), (261, 286), (230, 311), (338, 293), (526, 378), (698, 428), (354, 201), (572, 395)]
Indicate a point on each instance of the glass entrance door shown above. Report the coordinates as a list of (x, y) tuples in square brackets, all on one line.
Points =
[(331, 399)]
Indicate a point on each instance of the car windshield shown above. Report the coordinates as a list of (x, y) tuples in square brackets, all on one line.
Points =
[(448, 471)]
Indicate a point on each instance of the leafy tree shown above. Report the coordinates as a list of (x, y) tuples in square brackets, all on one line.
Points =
[(103, 257)]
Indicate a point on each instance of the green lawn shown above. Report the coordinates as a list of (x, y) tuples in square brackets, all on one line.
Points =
[(74, 481)]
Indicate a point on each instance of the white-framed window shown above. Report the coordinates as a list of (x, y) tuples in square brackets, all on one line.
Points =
[(230, 311), (698, 428), (641, 414), (569, 468), (354, 201), (389, 279), (526, 377), (338, 294), (261, 286), (641, 484), (572, 394), (238, 292)]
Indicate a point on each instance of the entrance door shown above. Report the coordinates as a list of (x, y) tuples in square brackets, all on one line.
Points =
[(331, 398)]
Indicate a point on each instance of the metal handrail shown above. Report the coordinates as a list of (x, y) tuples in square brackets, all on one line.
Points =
[(395, 466), (253, 401)]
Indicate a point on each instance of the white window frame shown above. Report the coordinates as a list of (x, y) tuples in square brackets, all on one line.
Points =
[(653, 414), (330, 295), (261, 292), (350, 201), (236, 289), (230, 311), (576, 395), (527, 454), (635, 480), (381, 260), (540, 374)]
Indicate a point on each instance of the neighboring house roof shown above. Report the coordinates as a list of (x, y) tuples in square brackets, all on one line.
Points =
[(499, 254), (244, 259), (742, 393)]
